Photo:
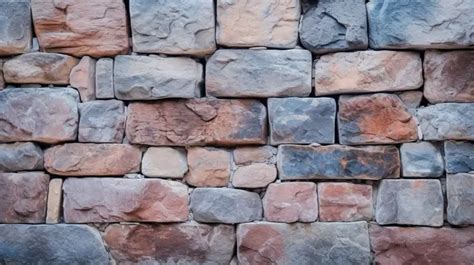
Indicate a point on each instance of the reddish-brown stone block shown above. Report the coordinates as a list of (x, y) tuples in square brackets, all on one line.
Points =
[(208, 167)]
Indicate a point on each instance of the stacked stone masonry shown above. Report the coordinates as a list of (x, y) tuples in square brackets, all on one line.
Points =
[(237, 132)]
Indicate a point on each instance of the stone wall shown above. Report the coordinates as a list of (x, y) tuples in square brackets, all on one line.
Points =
[(236, 132)]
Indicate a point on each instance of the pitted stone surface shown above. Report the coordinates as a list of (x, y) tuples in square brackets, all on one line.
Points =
[(208, 167), (15, 27), (421, 159), (460, 195), (459, 156), (20, 157), (164, 162), (102, 121)]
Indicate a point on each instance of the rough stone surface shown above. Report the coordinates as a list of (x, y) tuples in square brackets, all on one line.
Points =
[(223, 205), (20, 156), (208, 167), (367, 72), (82, 78), (257, 154), (345, 202), (97, 29), (447, 121), (15, 27), (2, 80), (173, 27), (375, 119), (422, 159), (102, 121), (411, 99), (420, 24), (55, 195), (302, 120), (257, 175), (77, 159), (259, 73), (258, 23), (410, 202), (315, 243), (332, 26), (23, 198), (449, 76), (147, 200), (104, 78), (39, 68), (460, 194), (296, 162), (207, 121), (51, 244), (47, 115), (147, 77), (291, 202), (422, 245), (165, 162), (187, 243), (459, 156)]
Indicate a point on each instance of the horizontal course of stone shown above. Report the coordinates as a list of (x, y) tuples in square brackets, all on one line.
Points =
[(237, 132)]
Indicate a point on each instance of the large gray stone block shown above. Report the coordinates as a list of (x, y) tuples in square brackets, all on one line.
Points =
[(102, 121), (421, 159), (460, 194), (15, 27), (459, 156), (20, 156)]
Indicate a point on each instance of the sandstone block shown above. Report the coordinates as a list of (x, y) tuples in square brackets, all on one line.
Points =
[(55, 195), (52, 114), (102, 121), (459, 156), (367, 72), (223, 205), (186, 243), (261, 23), (173, 27), (257, 154), (410, 202), (208, 121), (259, 73), (23, 198), (459, 191), (297, 162), (94, 28), (291, 202), (82, 78), (375, 119), (302, 120), (77, 159), (165, 162), (15, 28), (208, 167), (104, 78), (20, 156), (257, 175), (104, 200), (39, 68), (421, 159)]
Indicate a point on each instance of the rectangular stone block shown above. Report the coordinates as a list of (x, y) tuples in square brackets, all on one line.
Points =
[(459, 156), (255, 154), (102, 121), (421, 159), (54, 201), (15, 28), (259, 73), (105, 200), (298, 162), (104, 78), (164, 162), (205, 121), (255, 175), (460, 195), (208, 167), (20, 157)]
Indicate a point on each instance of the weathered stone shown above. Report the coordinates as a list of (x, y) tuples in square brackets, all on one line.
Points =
[(449, 76), (315, 243), (20, 156), (422, 245), (411, 99), (260, 154), (147, 78), (164, 162), (208, 167), (367, 72), (259, 73), (82, 78), (47, 115), (104, 78), (187, 243), (447, 121), (15, 27), (223, 205), (54, 201), (332, 26), (102, 121), (23, 198), (410, 202), (297, 162), (257, 175), (39, 68), (207, 121), (459, 156), (302, 120), (259, 23), (173, 27), (346, 202), (460, 194), (117, 200), (291, 202), (77, 159), (375, 119), (97, 29), (420, 24), (2, 80), (51, 244), (422, 159)]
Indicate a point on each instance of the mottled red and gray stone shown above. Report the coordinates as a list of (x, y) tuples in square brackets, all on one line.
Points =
[(20, 156), (208, 167), (460, 195), (16, 29), (102, 121), (105, 200), (82, 78)]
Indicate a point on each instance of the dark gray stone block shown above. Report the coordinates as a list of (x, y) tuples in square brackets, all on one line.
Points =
[(459, 156), (422, 159)]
